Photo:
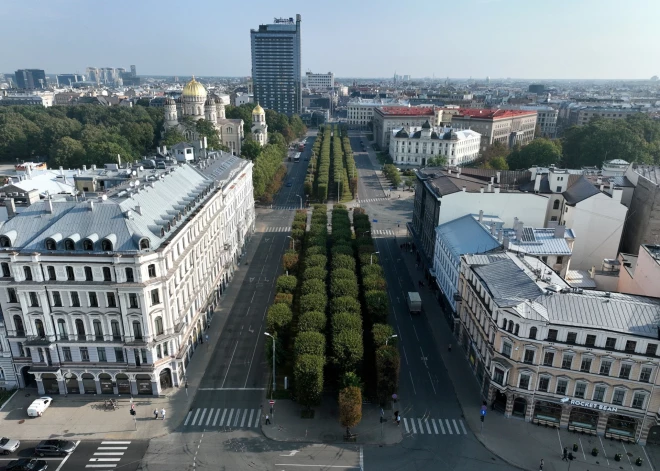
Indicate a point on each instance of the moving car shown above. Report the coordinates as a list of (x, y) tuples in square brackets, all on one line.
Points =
[(27, 464), (289, 184), (38, 406), (7, 445), (55, 447)]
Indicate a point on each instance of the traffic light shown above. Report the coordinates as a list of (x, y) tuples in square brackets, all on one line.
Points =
[(132, 411)]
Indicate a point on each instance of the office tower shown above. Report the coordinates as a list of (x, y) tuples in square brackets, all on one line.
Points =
[(30, 78), (133, 71), (66, 80), (276, 68), (93, 74)]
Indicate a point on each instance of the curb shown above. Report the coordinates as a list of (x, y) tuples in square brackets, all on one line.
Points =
[(9, 399)]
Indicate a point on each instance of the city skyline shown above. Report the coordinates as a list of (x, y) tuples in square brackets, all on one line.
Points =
[(578, 41)]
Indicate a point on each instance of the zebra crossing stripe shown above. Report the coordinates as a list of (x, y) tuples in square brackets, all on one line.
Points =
[(250, 419), (442, 427), (449, 427), (421, 428), (462, 426), (215, 420), (187, 418), (405, 422), (238, 416), (208, 421), (428, 427), (458, 432), (195, 418), (243, 419), (434, 427), (412, 422), (201, 419), (231, 412), (256, 420)]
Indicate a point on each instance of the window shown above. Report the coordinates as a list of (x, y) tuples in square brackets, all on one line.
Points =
[(155, 298), (651, 349), (51, 272), (529, 356), (18, 324), (158, 323), (80, 329), (645, 374), (548, 358), (532, 333), (555, 205), (39, 327), (88, 245), (84, 354), (506, 349), (102, 355), (610, 343), (11, 295), (571, 338), (144, 244), (624, 371), (88, 274), (69, 244), (599, 393), (605, 366), (143, 353), (116, 333), (165, 349), (544, 382), (567, 361), (61, 329), (580, 390), (631, 345), (560, 260), (552, 335), (50, 244), (106, 274), (159, 352), (5, 270), (559, 189), (66, 353), (28, 273), (57, 299), (129, 275), (98, 330), (498, 377), (152, 271), (93, 300), (562, 384), (119, 354), (618, 396), (106, 245), (585, 366), (69, 274), (639, 398), (34, 299), (75, 299), (133, 300), (524, 381), (137, 330), (112, 302), (591, 341)]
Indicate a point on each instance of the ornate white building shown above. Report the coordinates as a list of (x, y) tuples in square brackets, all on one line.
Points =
[(111, 295), (259, 126), (198, 104)]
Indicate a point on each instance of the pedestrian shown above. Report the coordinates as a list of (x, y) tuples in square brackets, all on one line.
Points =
[(565, 455), (162, 412), (267, 420), (449, 348), (398, 420), (396, 414), (155, 414), (541, 465), (207, 337)]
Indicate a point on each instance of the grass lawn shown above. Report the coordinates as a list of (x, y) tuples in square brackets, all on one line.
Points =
[(5, 395)]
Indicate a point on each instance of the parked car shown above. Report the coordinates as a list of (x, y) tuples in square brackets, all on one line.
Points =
[(55, 447), (27, 464), (7, 445), (38, 406)]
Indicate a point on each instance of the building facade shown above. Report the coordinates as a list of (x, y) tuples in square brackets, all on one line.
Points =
[(360, 111), (111, 295), (388, 118), (43, 98), (509, 127), (320, 81), (30, 79), (639, 274), (276, 65), (556, 356)]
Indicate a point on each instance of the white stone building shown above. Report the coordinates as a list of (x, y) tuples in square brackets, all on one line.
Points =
[(320, 81), (360, 111), (416, 145), (111, 295)]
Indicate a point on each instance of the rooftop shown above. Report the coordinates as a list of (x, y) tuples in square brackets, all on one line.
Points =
[(492, 114), (466, 235), (405, 111)]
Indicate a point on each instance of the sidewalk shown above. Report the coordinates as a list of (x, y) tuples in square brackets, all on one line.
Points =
[(288, 426), (84, 417), (517, 442)]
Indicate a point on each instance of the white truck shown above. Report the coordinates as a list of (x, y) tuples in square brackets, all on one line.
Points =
[(414, 302)]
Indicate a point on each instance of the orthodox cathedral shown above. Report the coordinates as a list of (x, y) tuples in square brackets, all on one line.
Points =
[(259, 126)]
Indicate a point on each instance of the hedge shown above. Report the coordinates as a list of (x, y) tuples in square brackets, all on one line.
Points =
[(278, 317), (377, 306), (286, 284), (343, 287), (381, 334), (312, 286), (315, 273), (372, 270), (345, 304), (371, 283), (345, 321), (347, 349), (283, 298), (343, 261), (308, 379), (290, 261), (368, 258), (313, 302), (342, 249), (343, 274), (316, 250), (350, 406), (312, 321), (387, 371), (316, 261), (309, 343)]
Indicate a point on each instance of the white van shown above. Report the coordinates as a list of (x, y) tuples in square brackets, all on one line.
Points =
[(38, 406)]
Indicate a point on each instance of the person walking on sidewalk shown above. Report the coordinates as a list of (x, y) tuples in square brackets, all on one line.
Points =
[(541, 465), (396, 414), (162, 412), (267, 420), (449, 348), (398, 420), (564, 457), (155, 414)]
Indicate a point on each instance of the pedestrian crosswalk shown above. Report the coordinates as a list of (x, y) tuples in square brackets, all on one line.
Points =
[(277, 229), (231, 418), (382, 232), (372, 200), (108, 455), (434, 426), (285, 207)]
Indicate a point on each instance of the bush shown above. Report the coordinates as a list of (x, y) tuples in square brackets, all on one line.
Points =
[(366, 248), (350, 406), (342, 287), (313, 286), (317, 229), (350, 379), (290, 261), (342, 249), (372, 283), (319, 241), (316, 250), (309, 343), (347, 349), (313, 302), (345, 304), (387, 371), (283, 298), (315, 273), (308, 379), (343, 261), (372, 270), (316, 261), (368, 258), (343, 274), (278, 317), (297, 234), (286, 284), (345, 321), (381, 334), (377, 306), (312, 321)]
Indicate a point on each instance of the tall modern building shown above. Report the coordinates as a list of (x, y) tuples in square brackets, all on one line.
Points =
[(276, 69), (30, 78)]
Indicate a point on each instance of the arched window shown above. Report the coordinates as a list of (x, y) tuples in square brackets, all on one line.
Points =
[(510, 328), (158, 324), (106, 245), (144, 243), (137, 330), (39, 326), (129, 275), (51, 272), (61, 329), (5, 241), (69, 244), (532, 333), (80, 329), (504, 323), (18, 324), (98, 329), (88, 244), (116, 332), (107, 275), (28, 273), (555, 205), (51, 244), (516, 330)]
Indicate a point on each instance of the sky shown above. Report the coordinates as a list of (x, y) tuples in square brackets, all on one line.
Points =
[(534, 39)]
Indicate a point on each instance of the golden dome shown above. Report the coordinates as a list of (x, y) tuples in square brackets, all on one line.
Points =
[(194, 89), (257, 110)]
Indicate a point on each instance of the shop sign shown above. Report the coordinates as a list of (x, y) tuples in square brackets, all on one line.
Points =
[(589, 405)]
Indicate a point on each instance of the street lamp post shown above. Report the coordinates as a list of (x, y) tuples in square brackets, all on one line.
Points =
[(272, 390), (300, 197), (371, 259), (293, 241), (365, 233), (390, 337)]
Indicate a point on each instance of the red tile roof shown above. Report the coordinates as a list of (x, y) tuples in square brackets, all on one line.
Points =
[(492, 114), (405, 111)]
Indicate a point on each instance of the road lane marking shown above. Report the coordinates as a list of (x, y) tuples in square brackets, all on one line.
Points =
[(449, 427), (215, 420), (442, 427), (428, 427), (250, 419), (97, 466), (416, 332), (112, 448), (412, 422), (462, 426), (201, 419), (229, 366), (247, 376), (243, 419), (115, 443), (67, 457), (421, 428), (222, 420), (434, 426), (317, 465), (458, 432), (231, 389), (98, 460), (361, 459), (187, 418), (238, 416), (231, 412), (109, 453), (405, 422), (405, 355), (413, 383), (208, 420), (432, 385), (195, 418)]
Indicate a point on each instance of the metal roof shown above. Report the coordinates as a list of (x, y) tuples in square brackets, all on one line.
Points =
[(507, 283), (580, 191), (465, 235)]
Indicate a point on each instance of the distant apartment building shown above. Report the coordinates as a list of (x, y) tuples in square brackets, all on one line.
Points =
[(387, 118), (242, 98), (30, 78), (43, 98), (582, 115), (509, 127), (546, 118), (320, 81), (67, 80), (360, 111)]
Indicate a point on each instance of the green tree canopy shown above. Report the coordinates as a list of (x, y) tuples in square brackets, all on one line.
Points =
[(541, 152), (250, 149)]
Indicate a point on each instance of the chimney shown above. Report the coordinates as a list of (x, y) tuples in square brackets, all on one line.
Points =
[(481, 190), (464, 189), (138, 209), (560, 231), (534, 171), (496, 190), (599, 180), (93, 166), (601, 187), (50, 205), (617, 194), (11, 207), (91, 205), (84, 168), (500, 235), (493, 229), (505, 243), (481, 215), (459, 171), (164, 150), (499, 174), (61, 170), (537, 184), (490, 186), (515, 222), (519, 231), (492, 180), (28, 171), (449, 170)]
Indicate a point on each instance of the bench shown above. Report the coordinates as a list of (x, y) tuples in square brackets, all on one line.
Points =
[(616, 436), (576, 428), (547, 423)]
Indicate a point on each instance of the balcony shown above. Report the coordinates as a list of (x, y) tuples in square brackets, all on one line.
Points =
[(88, 338), (133, 341), (38, 340), (16, 333)]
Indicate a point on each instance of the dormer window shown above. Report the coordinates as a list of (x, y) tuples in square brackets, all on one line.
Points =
[(106, 245), (69, 244), (4, 241), (144, 244), (50, 244), (88, 245)]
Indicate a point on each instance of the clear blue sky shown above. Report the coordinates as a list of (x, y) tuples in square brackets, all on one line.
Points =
[(602, 39)]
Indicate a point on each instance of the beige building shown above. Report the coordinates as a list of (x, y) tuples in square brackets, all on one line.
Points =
[(360, 111), (639, 274), (510, 127), (556, 356)]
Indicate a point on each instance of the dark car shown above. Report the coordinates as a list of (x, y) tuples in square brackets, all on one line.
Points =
[(55, 447), (289, 184), (27, 464)]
